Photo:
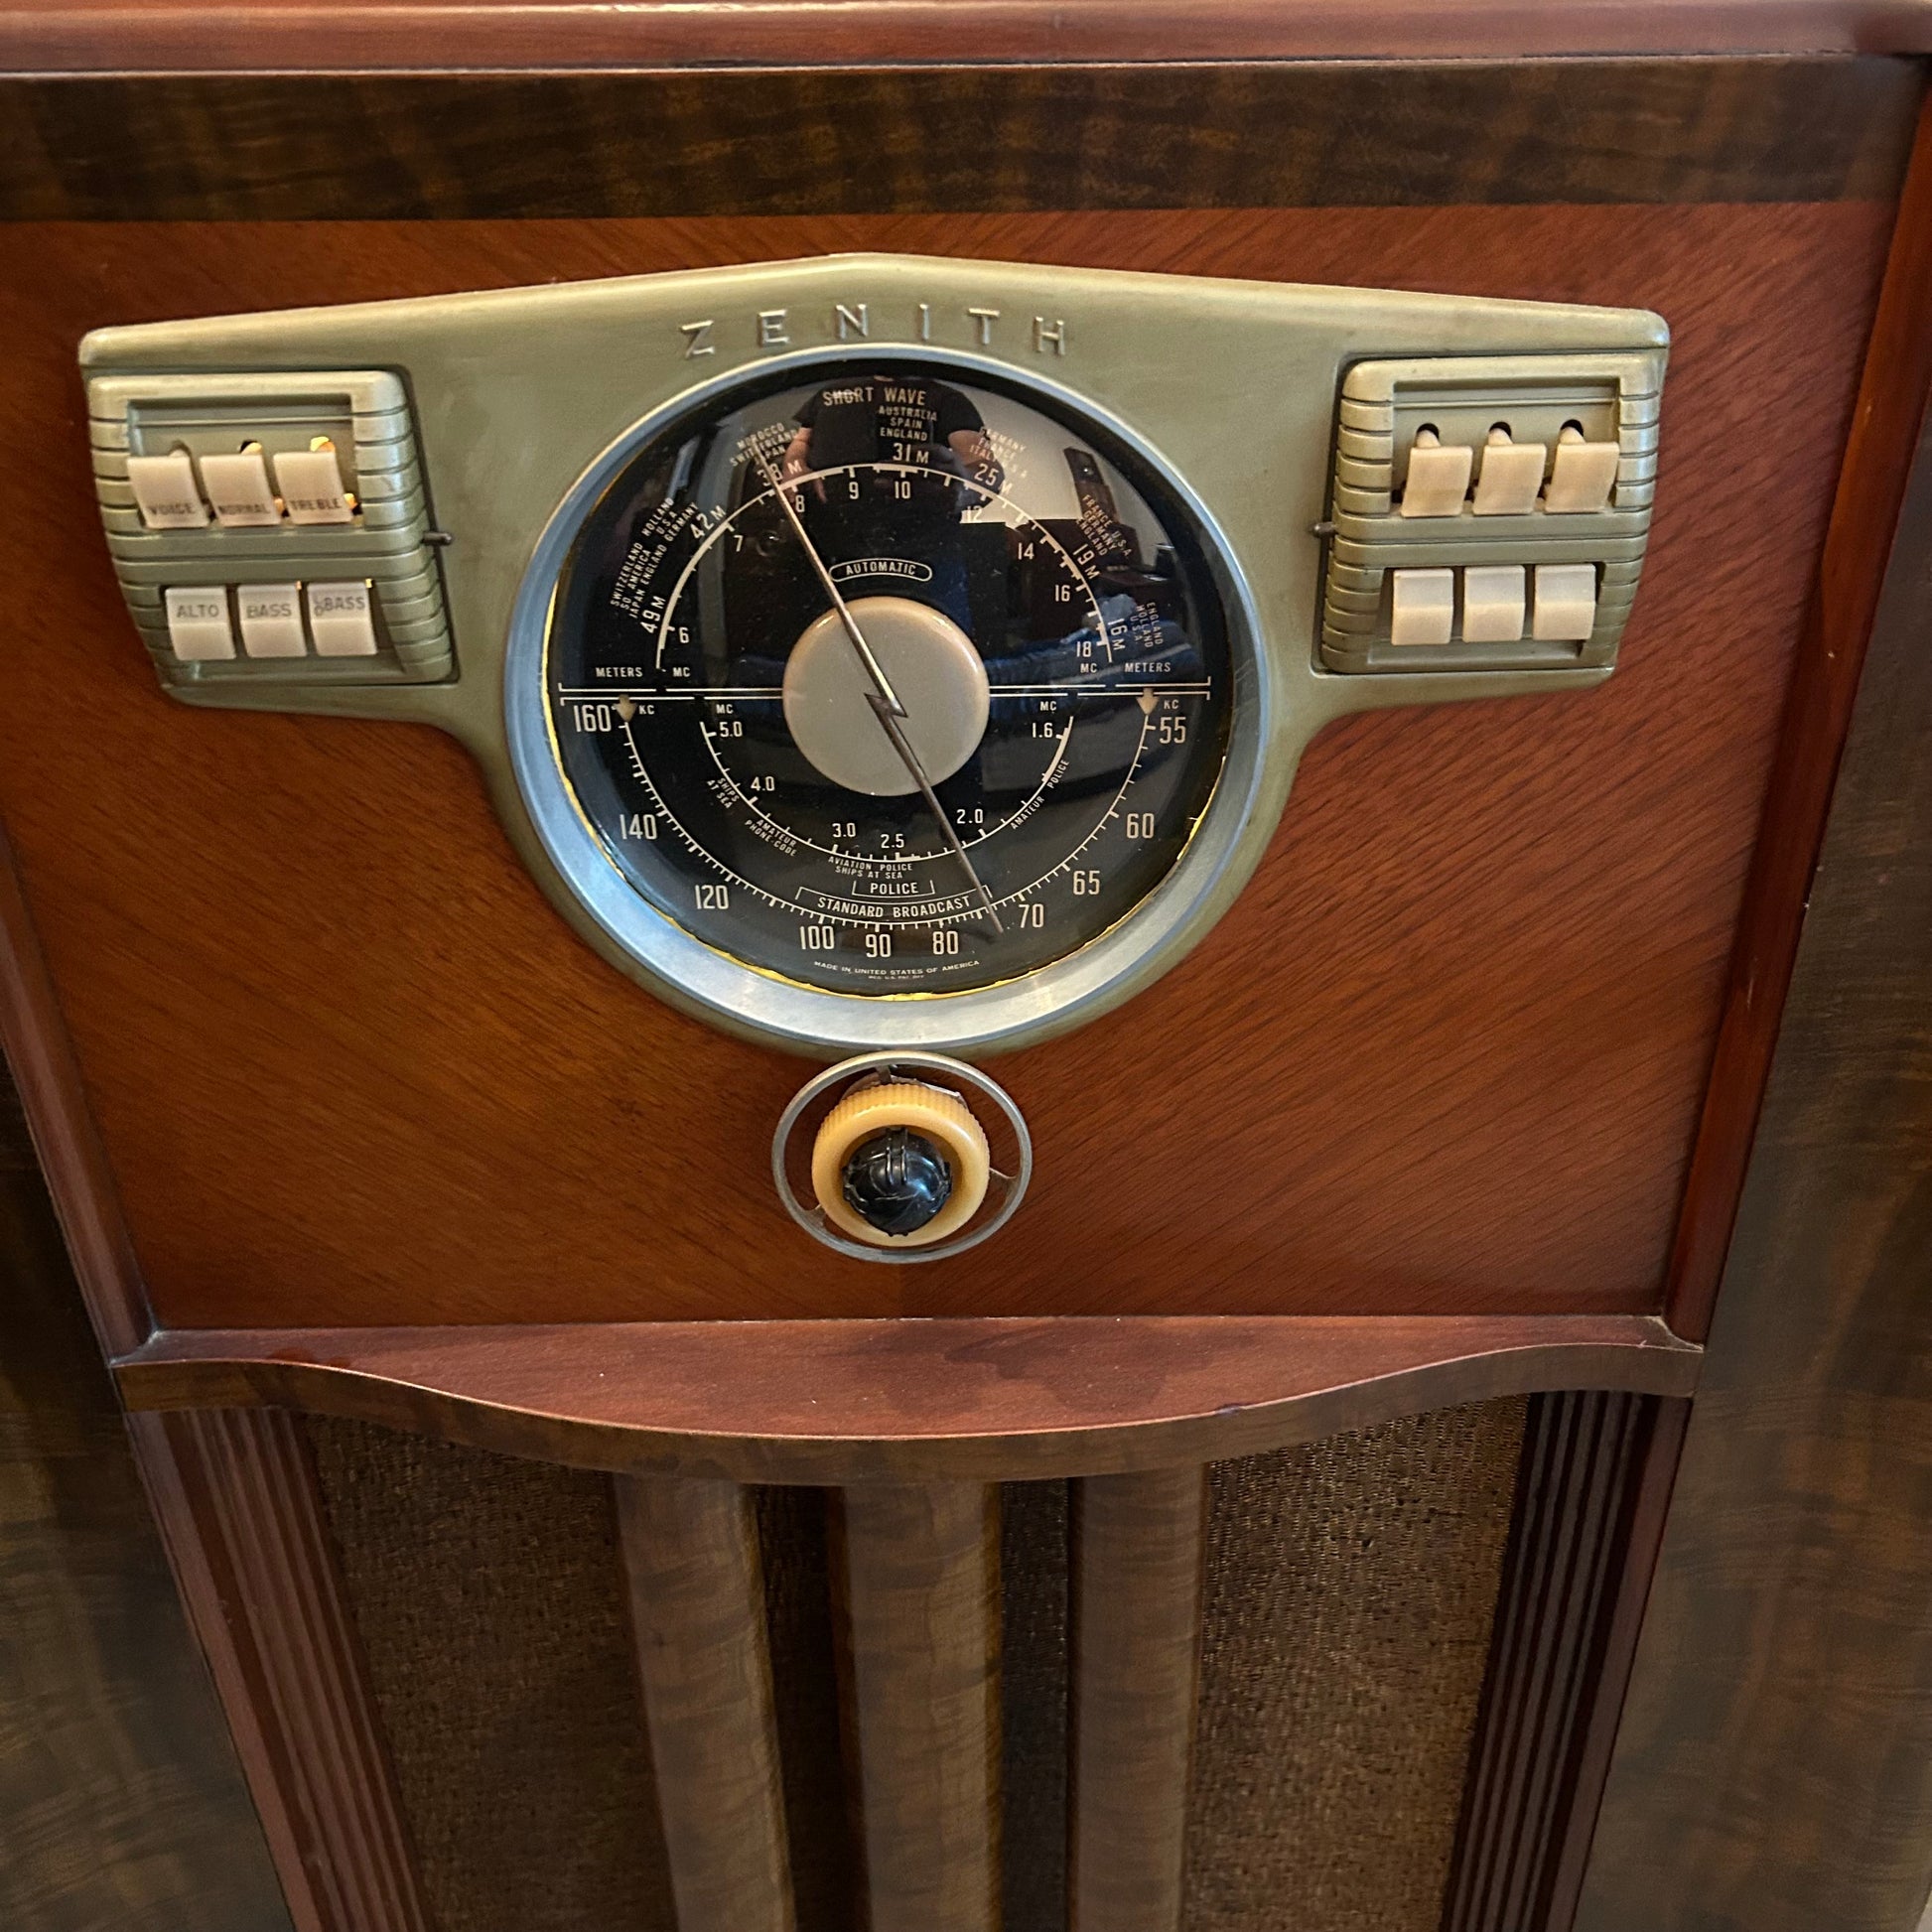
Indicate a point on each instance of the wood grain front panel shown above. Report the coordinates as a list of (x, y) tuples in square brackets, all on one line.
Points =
[(1447, 1052)]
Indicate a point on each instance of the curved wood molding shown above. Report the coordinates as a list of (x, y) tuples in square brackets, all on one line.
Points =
[(1590, 1505), (839, 1402), (314, 1742), (128, 36)]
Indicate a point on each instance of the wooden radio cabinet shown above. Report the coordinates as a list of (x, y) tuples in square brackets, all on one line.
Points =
[(1441, 1445)]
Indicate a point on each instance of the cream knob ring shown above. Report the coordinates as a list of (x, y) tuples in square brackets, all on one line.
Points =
[(933, 1119), (902, 1138)]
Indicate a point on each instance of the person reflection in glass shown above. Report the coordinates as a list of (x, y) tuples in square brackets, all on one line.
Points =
[(918, 437)]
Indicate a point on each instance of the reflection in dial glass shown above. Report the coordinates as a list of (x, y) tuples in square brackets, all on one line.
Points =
[(942, 717)]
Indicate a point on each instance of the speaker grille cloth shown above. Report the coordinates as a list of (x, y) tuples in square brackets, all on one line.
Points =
[(1034, 1660), (488, 1593), (1351, 1584), (1349, 1595)]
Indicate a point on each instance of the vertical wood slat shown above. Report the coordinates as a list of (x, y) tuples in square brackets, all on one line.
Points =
[(921, 1565), (251, 1487), (1140, 1544), (1661, 1448), (1587, 1466), (697, 1603)]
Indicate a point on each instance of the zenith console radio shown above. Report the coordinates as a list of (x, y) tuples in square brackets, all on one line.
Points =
[(904, 939)]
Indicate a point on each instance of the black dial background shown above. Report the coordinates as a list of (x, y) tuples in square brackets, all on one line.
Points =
[(1102, 632)]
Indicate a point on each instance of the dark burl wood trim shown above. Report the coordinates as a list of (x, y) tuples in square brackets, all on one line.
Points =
[(310, 1729), (878, 140), (1589, 1506), (1891, 402), (110, 1740), (297, 36), (994, 1400), (34, 1037), (1773, 1771)]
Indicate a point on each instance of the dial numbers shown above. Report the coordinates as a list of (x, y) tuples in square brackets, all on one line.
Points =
[(1054, 581)]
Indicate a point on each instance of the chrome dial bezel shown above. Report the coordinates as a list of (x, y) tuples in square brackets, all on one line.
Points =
[(692, 974)]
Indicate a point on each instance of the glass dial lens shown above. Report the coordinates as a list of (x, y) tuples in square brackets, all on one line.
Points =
[(939, 714)]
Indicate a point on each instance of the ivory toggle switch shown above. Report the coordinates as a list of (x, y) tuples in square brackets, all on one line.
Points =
[(1422, 606), (1511, 476), (238, 488), (1439, 477), (341, 620), (1494, 597), (199, 628), (311, 482), (271, 620), (1582, 475), (165, 491), (1565, 602)]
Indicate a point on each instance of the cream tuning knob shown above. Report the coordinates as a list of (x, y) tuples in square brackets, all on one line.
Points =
[(901, 1167), (900, 1163)]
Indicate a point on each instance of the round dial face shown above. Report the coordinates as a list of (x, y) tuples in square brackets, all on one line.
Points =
[(888, 679)]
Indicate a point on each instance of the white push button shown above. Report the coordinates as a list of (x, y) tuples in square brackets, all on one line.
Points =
[(1439, 477), (340, 620), (238, 488), (271, 620), (1423, 609), (311, 482), (197, 622), (1511, 476), (1493, 600), (1565, 602), (165, 491), (1582, 475)]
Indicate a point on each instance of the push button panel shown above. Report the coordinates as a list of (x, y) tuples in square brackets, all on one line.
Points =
[(204, 622), (1513, 493), (1492, 604), (282, 490)]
